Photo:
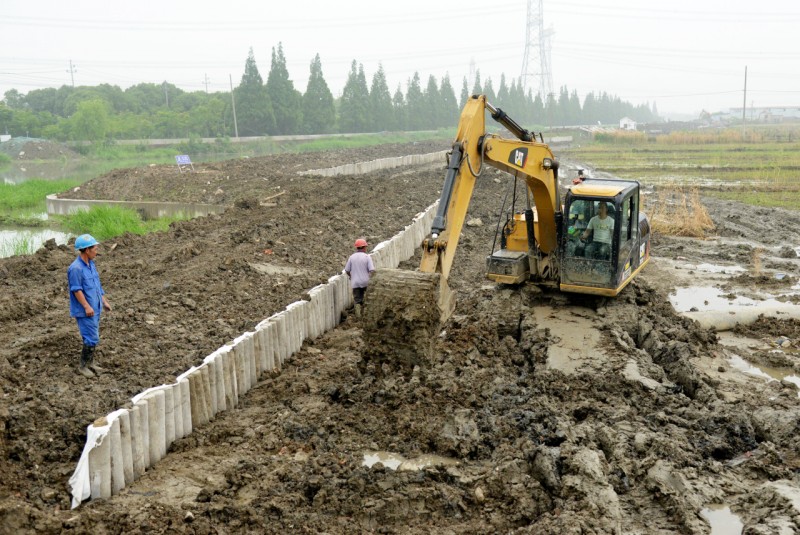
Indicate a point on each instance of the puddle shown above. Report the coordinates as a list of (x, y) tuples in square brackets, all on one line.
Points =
[(27, 241), (712, 268), (765, 372), (395, 461), (722, 520), (705, 298), (708, 298), (576, 337)]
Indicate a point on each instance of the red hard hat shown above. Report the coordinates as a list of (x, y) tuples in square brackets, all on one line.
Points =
[(361, 242)]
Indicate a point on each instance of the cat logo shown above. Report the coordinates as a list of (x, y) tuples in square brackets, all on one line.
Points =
[(518, 157)]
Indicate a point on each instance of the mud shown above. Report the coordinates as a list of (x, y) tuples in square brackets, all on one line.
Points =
[(402, 320), (647, 426)]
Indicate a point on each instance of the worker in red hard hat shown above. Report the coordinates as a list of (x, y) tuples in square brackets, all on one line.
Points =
[(359, 269)]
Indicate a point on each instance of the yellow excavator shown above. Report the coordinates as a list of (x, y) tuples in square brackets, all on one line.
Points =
[(595, 243)]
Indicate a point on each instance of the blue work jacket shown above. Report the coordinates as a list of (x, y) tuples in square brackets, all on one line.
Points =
[(84, 277)]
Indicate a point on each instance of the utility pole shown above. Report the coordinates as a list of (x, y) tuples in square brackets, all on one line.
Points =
[(166, 92), (72, 70), (206, 81), (233, 105), (744, 101)]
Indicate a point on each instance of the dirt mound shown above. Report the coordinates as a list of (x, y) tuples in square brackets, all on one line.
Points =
[(27, 148), (226, 182)]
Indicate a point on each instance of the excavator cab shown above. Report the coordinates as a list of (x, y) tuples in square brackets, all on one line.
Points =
[(605, 239)]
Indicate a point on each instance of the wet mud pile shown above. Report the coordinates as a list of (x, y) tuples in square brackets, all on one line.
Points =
[(635, 429)]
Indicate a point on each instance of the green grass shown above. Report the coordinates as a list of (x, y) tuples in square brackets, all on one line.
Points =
[(30, 195), (769, 199), (21, 245), (4, 159), (105, 222)]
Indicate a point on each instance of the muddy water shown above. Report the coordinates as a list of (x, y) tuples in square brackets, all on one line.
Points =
[(722, 520), (19, 172), (707, 298), (14, 239), (765, 372)]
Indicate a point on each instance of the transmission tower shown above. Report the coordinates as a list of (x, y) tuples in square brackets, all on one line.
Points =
[(536, 72)]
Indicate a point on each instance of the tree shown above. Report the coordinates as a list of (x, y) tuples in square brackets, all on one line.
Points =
[(574, 110), (90, 122), (415, 101), (14, 99), (254, 112), (464, 94), (502, 93), (49, 99), (284, 97), (399, 108), (488, 90), (477, 88), (381, 112), (432, 105), (319, 113), (354, 108), (449, 104)]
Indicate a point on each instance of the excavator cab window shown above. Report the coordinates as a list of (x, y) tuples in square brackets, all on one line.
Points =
[(591, 241), (589, 231)]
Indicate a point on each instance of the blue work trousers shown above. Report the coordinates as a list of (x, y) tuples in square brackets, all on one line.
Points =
[(90, 329)]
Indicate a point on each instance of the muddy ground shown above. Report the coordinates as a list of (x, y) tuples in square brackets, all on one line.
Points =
[(545, 413)]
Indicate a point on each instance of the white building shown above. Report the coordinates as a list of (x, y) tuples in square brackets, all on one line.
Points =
[(767, 114), (626, 123)]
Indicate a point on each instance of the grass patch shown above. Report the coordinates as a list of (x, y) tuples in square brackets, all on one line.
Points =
[(31, 194), (20, 245), (782, 198), (5, 159), (105, 222), (676, 212)]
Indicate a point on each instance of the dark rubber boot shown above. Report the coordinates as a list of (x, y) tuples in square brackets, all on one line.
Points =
[(83, 369), (92, 366)]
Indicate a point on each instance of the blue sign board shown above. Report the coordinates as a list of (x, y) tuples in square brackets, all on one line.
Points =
[(183, 159)]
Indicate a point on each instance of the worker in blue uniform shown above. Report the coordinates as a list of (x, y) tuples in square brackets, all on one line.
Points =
[(86, 301)]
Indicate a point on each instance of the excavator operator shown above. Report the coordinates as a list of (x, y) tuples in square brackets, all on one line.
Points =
[(601, 229)]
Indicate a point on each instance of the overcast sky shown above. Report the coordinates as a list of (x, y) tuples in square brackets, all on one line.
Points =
[(686, 55)]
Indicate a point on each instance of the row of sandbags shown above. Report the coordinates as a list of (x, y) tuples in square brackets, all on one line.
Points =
[(122, 445)]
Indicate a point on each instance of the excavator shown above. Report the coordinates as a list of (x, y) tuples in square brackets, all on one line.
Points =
[(595, 243)]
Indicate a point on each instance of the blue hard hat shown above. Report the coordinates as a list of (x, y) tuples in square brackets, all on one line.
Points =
[(83, 241)]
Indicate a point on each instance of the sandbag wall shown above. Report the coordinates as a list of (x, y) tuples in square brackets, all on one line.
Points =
[(361, 168), (122, 445)]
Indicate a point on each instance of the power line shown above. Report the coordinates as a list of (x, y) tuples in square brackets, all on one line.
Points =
[(304, 22)]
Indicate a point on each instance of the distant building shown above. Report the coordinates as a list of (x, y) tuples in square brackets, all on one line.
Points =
[(767, 114), (626, 123), (4, 138)]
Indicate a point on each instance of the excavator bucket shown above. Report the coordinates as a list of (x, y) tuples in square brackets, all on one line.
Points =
[(403, 314)]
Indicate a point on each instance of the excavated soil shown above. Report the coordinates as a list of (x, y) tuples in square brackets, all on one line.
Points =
[(538, 412), (26, 149), (226, 182)]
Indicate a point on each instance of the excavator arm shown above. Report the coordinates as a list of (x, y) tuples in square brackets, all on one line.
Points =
[(473, 149), (404, 310)]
